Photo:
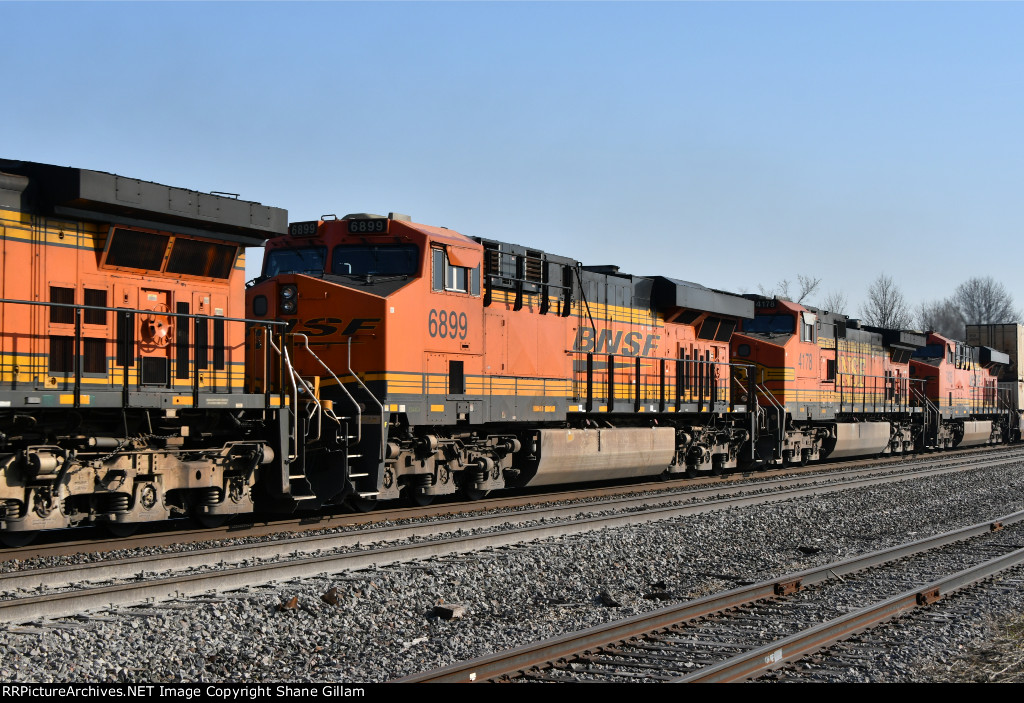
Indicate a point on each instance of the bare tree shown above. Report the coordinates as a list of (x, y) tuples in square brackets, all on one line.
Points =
[(835, 302), (886, 306), (983, 300), (942, 316), (806, 285)]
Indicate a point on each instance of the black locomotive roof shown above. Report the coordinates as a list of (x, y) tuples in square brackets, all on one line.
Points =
[(96, 195), (673, 293), (900, 339)]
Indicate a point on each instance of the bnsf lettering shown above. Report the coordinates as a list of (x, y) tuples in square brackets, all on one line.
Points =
[(328, 326), (609, 342)]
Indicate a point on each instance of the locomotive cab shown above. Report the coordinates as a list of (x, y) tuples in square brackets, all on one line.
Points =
[(362, 295)]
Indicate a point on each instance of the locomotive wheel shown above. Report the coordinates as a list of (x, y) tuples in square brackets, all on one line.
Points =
[(473, 493), (361, 505), (18, 539), (421, 500), (122, 529), (209, 521)]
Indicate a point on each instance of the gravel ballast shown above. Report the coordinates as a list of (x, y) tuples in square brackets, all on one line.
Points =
[(392, 622)]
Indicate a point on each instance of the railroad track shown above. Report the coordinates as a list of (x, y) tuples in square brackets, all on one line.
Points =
[(69, 542), (747, 631), (60, 592)]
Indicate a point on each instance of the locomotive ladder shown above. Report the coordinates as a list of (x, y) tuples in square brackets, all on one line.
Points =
[(931, 418), (317, 411), (780, 416)]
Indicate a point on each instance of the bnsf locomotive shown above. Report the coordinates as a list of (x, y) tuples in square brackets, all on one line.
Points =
[(378, 358), (443, 363), (122, 352)]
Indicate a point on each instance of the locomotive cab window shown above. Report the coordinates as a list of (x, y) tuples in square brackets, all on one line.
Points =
[(770, 324), (305, 260), (808, 327), (369, 260), (447, 277)]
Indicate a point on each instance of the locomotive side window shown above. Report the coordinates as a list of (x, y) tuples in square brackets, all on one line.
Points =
[(447, 277), (307, 260), (437, 269), (196, 258), (808, 327), (137, 250), (367, 260)]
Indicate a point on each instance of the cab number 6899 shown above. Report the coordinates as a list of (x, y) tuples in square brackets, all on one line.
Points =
[(447, 324)]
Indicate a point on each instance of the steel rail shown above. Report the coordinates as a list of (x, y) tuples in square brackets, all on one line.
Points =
[(60, 577), (521, 659), (246, 527), (775, 654)]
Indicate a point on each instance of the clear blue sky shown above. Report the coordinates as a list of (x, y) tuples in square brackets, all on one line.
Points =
[(732, 144)]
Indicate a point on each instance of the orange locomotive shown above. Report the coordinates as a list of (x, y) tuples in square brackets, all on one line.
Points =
[(121, 359), (431, 362), (964, 406), (829, 387)]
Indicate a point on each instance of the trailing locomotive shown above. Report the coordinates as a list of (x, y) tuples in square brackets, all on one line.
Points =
[(121, 352), (377, 358)]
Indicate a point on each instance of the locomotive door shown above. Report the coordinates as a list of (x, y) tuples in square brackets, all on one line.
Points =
[(60, 335), (211, 355), (155, 328)]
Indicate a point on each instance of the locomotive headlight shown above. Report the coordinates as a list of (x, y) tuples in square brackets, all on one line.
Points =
[(288, 294)]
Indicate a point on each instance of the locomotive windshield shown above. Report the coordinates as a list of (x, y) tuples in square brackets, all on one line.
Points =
[(770, 324), (308, 260), (932, 351), (368, 260)]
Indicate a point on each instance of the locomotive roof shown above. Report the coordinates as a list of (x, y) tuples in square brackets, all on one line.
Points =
[(107, 197), (674, 293)]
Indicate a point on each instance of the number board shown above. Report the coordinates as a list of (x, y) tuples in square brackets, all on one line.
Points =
[(303, 229), (377, 226)]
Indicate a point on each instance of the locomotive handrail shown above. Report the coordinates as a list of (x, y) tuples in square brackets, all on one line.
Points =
[(383, 426), (128, 344), (780, 413), (305, 343), (905, 383), (76, 306), (932, 413), (294, 410), (703, 384)]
